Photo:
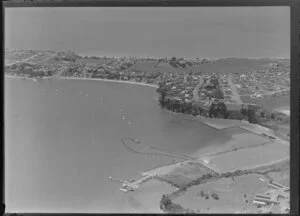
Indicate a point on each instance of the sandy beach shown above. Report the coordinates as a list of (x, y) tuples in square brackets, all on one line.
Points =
[(80, 78), (108, 80)]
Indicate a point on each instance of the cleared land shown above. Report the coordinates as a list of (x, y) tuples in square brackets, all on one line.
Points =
[(93, 61), (181, 173), (273, 102)]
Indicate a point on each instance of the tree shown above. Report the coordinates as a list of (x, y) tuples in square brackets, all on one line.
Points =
[(251, 114), (214, 81), (211, 110), (244, 111), (217, 93), (222, 109), (272, 116), (163, 93)]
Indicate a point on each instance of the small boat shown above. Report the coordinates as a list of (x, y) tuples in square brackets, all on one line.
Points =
[(123, 190)]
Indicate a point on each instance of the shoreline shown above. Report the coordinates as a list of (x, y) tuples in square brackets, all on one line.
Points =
[(199, 118), (80, 78), (108, 80)]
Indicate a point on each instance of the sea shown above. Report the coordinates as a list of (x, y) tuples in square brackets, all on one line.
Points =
[(63, 141)]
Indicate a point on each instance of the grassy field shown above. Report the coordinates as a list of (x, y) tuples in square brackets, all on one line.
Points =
[(181, 173), (92, 61), (185, 173), (18, 55), (273, 103), (43, 56), (144, 65), (233, 65), (234, 195)]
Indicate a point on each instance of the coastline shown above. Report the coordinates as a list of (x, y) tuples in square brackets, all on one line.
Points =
[(108, 80), (80, 78), (205, 120)]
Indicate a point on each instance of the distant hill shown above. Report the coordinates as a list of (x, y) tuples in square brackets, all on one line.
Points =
[(236, 65)]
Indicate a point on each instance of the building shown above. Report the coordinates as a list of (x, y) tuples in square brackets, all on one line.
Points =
[(265, 199)]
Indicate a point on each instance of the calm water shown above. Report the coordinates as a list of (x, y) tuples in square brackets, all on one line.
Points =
[(63, 141), (160, 32)]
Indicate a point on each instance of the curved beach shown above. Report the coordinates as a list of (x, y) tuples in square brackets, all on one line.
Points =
[(109, 80)]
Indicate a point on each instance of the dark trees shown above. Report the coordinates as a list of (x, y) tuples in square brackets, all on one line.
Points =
[(217, 109)]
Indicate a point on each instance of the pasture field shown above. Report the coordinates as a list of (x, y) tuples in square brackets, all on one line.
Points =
[(234, 195)]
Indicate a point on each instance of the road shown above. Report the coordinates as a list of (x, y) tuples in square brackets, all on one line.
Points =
[(235, 94), (196, 90)]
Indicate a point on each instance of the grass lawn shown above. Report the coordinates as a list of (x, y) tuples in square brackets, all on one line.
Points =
[(233, 195)]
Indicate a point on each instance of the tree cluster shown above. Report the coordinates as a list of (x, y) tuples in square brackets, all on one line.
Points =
[(168, 206), (31, 70), (179, 63), (217, 110)]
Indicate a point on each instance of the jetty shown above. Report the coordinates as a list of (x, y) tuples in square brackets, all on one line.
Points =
[(133, 184)]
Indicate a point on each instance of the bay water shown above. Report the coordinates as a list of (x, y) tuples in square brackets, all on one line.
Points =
[(63, 141)]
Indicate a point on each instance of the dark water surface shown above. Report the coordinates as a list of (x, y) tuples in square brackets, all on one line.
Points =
[(63, 141)]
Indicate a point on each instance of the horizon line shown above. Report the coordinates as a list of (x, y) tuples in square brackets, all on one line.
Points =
[(146, 56)]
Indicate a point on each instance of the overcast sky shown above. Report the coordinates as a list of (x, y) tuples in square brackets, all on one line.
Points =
[(189, 32)]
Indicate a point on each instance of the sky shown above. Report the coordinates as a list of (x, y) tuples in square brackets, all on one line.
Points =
[(212, 32)]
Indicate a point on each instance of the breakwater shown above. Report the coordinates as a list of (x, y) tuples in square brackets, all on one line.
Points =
[(156, 153)]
